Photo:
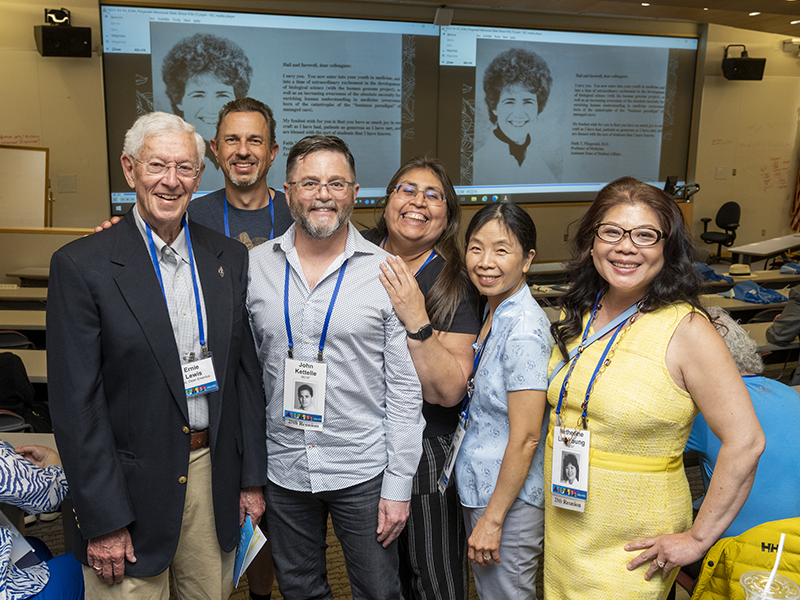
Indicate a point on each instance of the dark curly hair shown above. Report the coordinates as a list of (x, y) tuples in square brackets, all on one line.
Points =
[(452, 285), (516, 67), (677, 281), (201, 54)]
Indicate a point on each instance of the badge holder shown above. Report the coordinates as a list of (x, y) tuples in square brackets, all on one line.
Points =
[(463, 423), (570, 469)]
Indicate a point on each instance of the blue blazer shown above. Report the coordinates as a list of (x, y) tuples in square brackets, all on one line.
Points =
[(116, 391)]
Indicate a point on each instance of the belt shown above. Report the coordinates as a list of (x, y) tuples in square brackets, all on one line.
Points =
[(199, 439)]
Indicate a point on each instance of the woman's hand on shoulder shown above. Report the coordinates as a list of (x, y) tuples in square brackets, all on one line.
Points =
[(665, 553), (406, 297)]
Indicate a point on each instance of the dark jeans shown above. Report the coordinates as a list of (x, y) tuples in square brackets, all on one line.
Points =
[(297, 524)]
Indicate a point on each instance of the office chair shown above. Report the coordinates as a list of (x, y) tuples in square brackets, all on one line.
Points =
[(11, 421), (728, 220), (14, 340)]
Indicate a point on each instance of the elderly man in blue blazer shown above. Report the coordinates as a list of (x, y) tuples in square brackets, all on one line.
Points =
[(155, 389)]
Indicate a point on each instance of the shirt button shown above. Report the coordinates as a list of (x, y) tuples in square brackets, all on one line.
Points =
[(308, 340), (185, 429), (181, 479)]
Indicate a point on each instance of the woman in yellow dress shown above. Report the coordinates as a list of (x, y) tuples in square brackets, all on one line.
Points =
[(626, 402)]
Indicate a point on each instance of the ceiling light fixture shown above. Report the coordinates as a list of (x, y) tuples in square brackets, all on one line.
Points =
[(794, 22), (753, 14)]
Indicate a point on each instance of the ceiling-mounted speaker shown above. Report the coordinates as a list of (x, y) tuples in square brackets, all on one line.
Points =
[(63, 41)]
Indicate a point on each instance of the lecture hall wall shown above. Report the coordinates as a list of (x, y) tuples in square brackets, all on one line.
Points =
[(746, 128)]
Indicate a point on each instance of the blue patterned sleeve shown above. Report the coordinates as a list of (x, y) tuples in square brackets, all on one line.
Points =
[(27, 486), (525, 357)]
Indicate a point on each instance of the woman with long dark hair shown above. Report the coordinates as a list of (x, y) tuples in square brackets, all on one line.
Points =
[(636, 359), (433, 298)]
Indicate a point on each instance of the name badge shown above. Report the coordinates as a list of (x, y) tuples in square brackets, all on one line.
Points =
[(570, 474), (304, 394), (199, 377), (450, 461)]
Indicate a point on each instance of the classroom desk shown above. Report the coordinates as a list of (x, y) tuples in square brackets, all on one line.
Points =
[(35, 362), (27, 438), (758, 332), (25, 320), (547, 268), (23, 293), (32, 276), (766, 249)]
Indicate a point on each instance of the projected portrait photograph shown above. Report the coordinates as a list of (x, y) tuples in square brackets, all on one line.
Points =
[(202, 73), (516, 87)]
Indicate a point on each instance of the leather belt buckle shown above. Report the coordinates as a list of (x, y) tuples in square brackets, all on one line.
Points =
[(199, 439)]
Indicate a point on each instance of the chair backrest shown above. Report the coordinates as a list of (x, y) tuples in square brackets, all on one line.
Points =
[(10, 421), (728, 215), (15, 340)]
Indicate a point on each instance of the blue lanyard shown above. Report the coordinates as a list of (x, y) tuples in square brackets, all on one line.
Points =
[(327, 317), (154, 257), (271, 216), (431, 256), (467, 402), (600, 363)]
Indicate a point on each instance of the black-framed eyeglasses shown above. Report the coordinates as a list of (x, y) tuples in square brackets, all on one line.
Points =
[(309, 188), (408, 191), (158, 168), (640, 236)]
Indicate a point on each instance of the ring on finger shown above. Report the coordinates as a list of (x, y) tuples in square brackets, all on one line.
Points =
[(96, 568), (660, 564)]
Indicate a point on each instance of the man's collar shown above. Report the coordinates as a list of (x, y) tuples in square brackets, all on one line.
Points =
[(179, 245), (355, 242)]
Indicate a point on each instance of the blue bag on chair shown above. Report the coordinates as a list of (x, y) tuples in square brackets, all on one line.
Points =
[(790, 268), (750, 291), (709, 274)]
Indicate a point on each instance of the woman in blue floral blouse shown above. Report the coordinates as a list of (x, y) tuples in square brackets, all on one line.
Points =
[(499, 468)]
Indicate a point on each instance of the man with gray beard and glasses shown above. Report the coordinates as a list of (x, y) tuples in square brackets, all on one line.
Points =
[(321, 317)]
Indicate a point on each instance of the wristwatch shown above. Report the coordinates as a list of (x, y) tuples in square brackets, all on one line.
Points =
[(423, 334)]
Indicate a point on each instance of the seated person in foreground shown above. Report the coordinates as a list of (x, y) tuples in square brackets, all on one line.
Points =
[(786, 327), (31, 478), (776, 490)]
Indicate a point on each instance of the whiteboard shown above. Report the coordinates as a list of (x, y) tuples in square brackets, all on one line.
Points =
[(23, 186)]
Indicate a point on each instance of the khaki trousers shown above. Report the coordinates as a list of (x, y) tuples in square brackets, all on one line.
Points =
[(200, 569)]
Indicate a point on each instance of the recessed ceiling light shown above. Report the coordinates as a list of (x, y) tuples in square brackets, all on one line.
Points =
[(645, 4), (753, 14), (705, 9), (794, 22)]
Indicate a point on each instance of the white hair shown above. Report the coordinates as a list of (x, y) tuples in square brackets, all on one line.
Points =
[(159, 123), (743, 349)]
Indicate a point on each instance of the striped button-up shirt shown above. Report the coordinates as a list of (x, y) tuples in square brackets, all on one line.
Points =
[(373, 422)]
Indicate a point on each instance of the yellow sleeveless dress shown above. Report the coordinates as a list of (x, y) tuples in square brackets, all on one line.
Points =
[(639, 422)]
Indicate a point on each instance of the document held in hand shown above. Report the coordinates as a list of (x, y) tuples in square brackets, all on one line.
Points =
[(251, 540)]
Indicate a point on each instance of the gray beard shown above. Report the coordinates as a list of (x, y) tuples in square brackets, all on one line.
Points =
[(318, 232), (239, 182)]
